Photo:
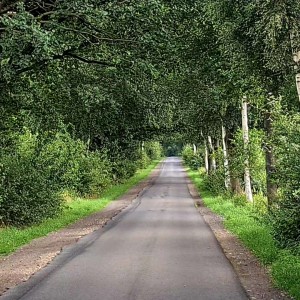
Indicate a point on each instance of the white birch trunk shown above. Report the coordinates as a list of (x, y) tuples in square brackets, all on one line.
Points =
[(296, 58), (195, 149), (206, 158), (247, 179), (226, 162), (298, 84), (212, 158)]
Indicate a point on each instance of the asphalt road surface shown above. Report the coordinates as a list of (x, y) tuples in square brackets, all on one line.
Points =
[(159, 249)]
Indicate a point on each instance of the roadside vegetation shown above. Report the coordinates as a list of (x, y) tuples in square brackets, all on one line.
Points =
[(251, 224), (11, 238), (91, 92)]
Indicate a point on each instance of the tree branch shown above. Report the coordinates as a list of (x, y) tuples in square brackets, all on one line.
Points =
[(83, 59)]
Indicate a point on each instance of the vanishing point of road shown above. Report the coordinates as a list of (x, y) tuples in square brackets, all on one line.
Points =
[(158, 249)]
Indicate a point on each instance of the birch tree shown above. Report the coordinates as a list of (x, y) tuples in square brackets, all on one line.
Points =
[(247, 178)]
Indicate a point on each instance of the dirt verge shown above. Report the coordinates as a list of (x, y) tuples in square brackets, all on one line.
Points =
[(27, 260), (253, 276)]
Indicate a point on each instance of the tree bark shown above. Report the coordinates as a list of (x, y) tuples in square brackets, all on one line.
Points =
[(235, 182), (269, 152), (195, 149), (206, 159), (298, 84), (296, 57), (212, 159), (247, 179), (226, 162)]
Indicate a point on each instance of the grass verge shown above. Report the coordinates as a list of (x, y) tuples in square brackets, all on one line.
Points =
[(12, 238), (256, 235)]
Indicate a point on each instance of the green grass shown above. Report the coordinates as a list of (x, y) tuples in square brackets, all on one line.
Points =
[(12, 238), (256, 235)]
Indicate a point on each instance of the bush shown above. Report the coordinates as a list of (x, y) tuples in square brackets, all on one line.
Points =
[(286, 223), (285, 213), (187, 154), (123, 169), (256, 159), (95, 174), (34, 176), (69, 165), (260, 204), (143, 160), (27, 195), (154, 150), (61, 157), (215, 181), (191, 159)]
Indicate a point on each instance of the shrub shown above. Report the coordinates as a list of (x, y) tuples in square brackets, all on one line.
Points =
[(285, 213), (215, 181), (143, 160), (95, 174), (26, 192), (154, 150), (61, 157), (187, 154), (191, 159), (123, 169)]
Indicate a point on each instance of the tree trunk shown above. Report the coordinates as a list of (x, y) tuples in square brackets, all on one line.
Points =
[(296, 57), (206, 159), (212, 159), (226, 163), (235, 183), (270, 158), (298, 84), (247, 179), (195, 149)]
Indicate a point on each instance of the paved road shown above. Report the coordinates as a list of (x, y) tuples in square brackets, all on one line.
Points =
[(160, 249)]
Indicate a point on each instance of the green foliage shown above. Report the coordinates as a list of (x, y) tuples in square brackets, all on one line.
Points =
[(256, 159), (215, 181), (41, 168), (11, 238), (244, 222), (260, 204), (239, 200), (285, 214), (187, 154), (69, 165), (286, 273), (191, 159), (143, 160), (154, 150), (94, 174), (27, 195), (61, 157), (172, 150), (123, 169), (240, 219)]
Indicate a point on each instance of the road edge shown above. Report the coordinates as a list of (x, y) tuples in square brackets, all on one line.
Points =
[(253, 276), (32, 258)]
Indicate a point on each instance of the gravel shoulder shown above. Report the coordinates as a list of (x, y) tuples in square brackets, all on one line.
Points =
[(22, 264), (252, 274)]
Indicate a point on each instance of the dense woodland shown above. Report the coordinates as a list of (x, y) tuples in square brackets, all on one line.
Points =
[(90, 90)]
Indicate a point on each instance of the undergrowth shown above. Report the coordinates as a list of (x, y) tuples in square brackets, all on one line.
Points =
[(11, 238), (245, 222)]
